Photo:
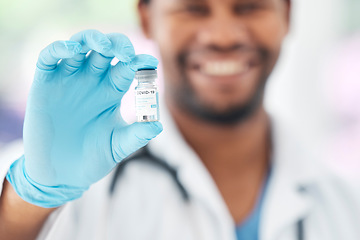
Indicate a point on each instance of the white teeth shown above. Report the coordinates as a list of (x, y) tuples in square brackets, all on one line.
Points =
[(224, 68)]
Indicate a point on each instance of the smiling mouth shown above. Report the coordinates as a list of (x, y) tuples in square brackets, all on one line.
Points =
[(224, 68)]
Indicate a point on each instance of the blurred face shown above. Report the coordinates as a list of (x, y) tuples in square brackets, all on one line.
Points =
[(216, 54)]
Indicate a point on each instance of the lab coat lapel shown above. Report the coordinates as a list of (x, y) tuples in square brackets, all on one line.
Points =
[(286, 203), (288, 198)]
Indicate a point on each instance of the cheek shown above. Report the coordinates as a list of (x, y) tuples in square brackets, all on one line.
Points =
[(269, 32)]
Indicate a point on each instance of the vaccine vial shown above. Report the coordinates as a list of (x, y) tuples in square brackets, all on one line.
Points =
[(146, 96)]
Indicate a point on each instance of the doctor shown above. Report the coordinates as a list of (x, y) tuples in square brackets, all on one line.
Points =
[(221, 170)]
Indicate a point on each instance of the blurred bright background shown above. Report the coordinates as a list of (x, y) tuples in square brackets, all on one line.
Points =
[(316, 86)]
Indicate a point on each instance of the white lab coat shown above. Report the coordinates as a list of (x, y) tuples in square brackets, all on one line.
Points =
[(147, 204)]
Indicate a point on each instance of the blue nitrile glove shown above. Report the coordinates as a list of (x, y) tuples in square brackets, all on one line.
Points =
[(74, 134)]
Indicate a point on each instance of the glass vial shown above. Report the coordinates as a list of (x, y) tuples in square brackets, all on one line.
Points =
[(146, 96)]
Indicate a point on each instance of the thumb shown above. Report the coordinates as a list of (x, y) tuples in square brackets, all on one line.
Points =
[(127, 140)]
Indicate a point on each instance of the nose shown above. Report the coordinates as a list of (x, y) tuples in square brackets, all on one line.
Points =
[(223, 30)]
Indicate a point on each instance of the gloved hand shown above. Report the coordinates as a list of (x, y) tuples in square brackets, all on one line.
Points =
[(74, 134)]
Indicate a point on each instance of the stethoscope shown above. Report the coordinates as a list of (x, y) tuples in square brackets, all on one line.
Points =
[(144, 155)]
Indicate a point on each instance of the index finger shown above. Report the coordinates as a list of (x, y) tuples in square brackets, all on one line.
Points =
[(122, 48)]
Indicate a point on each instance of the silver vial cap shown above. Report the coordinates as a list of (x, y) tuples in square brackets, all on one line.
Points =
[(146, 74)]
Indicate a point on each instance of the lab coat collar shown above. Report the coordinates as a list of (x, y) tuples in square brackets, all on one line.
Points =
[(286, 200)]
